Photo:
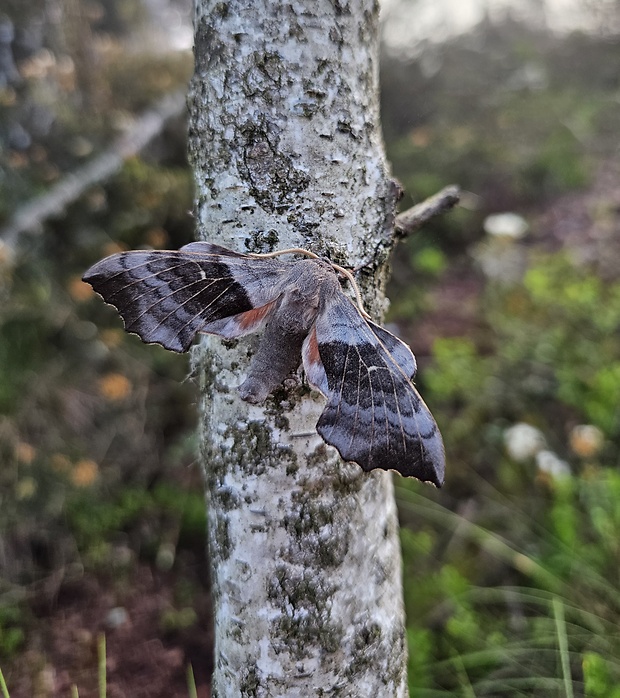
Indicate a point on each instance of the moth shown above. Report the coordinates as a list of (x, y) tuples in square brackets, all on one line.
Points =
[(374, 416)]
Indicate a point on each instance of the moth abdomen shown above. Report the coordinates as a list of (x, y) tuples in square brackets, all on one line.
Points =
[(278, 355)]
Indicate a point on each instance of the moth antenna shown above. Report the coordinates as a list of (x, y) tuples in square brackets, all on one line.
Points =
[(337, 267), (290, 250), (356, 288)]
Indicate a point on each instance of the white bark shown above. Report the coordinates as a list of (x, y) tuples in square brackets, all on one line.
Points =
[(287, 152)]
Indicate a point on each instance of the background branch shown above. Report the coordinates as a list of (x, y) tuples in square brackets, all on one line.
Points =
[(414, 218), (34, 213)]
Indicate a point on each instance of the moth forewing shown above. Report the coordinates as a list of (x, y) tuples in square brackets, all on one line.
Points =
[(168, 297)]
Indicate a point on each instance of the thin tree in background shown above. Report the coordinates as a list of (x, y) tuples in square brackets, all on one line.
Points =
[(286, 148)]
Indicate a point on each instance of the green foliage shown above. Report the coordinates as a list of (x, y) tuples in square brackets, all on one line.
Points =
[(424, 258), (101, 666), (457, 369), (3, 686), (95, 522), (562, 327), (138, 80), (145, 196), (429, 260), (173, 619), (525, 599), (555, 338), (487, 151), (12, 633), (21, 355), (516, 594), (470, 625), (191, 682), (598, 678)]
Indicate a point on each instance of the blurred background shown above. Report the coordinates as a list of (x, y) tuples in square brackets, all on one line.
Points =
[(511, 304)]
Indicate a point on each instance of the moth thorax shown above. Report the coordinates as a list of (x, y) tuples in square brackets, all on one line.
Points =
[(302, 298)]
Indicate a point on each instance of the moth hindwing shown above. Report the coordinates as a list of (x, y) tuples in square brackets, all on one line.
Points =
[(374, 416)]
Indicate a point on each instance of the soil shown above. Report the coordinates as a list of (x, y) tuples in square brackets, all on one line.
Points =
[(587, 222), (143, 659)]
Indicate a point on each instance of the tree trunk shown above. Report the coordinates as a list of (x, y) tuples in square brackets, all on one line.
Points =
[(287, 152)]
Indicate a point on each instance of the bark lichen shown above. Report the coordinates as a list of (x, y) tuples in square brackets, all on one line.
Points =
[(305, 613)]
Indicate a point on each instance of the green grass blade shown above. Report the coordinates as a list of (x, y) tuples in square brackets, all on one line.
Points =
[(191, 682), (3, 688), (101, 652), (468, 691), (74, 692), (560, 625)]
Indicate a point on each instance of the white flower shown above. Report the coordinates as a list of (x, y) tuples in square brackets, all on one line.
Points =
[(550, 464), (506, 225), (523, 441), (500, 262)]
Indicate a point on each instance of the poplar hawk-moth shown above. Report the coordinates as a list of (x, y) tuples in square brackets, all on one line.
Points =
[(374, 415)]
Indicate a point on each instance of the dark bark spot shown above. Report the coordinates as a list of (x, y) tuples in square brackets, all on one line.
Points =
[(250, 683), (262, 241), (208, 49), (341, 7), (273, 180)]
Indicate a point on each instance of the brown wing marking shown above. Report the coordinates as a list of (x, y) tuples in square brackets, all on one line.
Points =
[(241, 324), (315, 372)]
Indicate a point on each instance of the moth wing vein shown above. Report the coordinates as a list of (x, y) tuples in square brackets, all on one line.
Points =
[(172, 312)]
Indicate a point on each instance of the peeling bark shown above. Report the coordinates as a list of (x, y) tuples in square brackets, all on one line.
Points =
[(287, 152)]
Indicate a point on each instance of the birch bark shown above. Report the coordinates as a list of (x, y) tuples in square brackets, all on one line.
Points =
[(287, 152)]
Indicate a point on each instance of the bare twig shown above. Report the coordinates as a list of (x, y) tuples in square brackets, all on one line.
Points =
[(32, 214), (413, 218)]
